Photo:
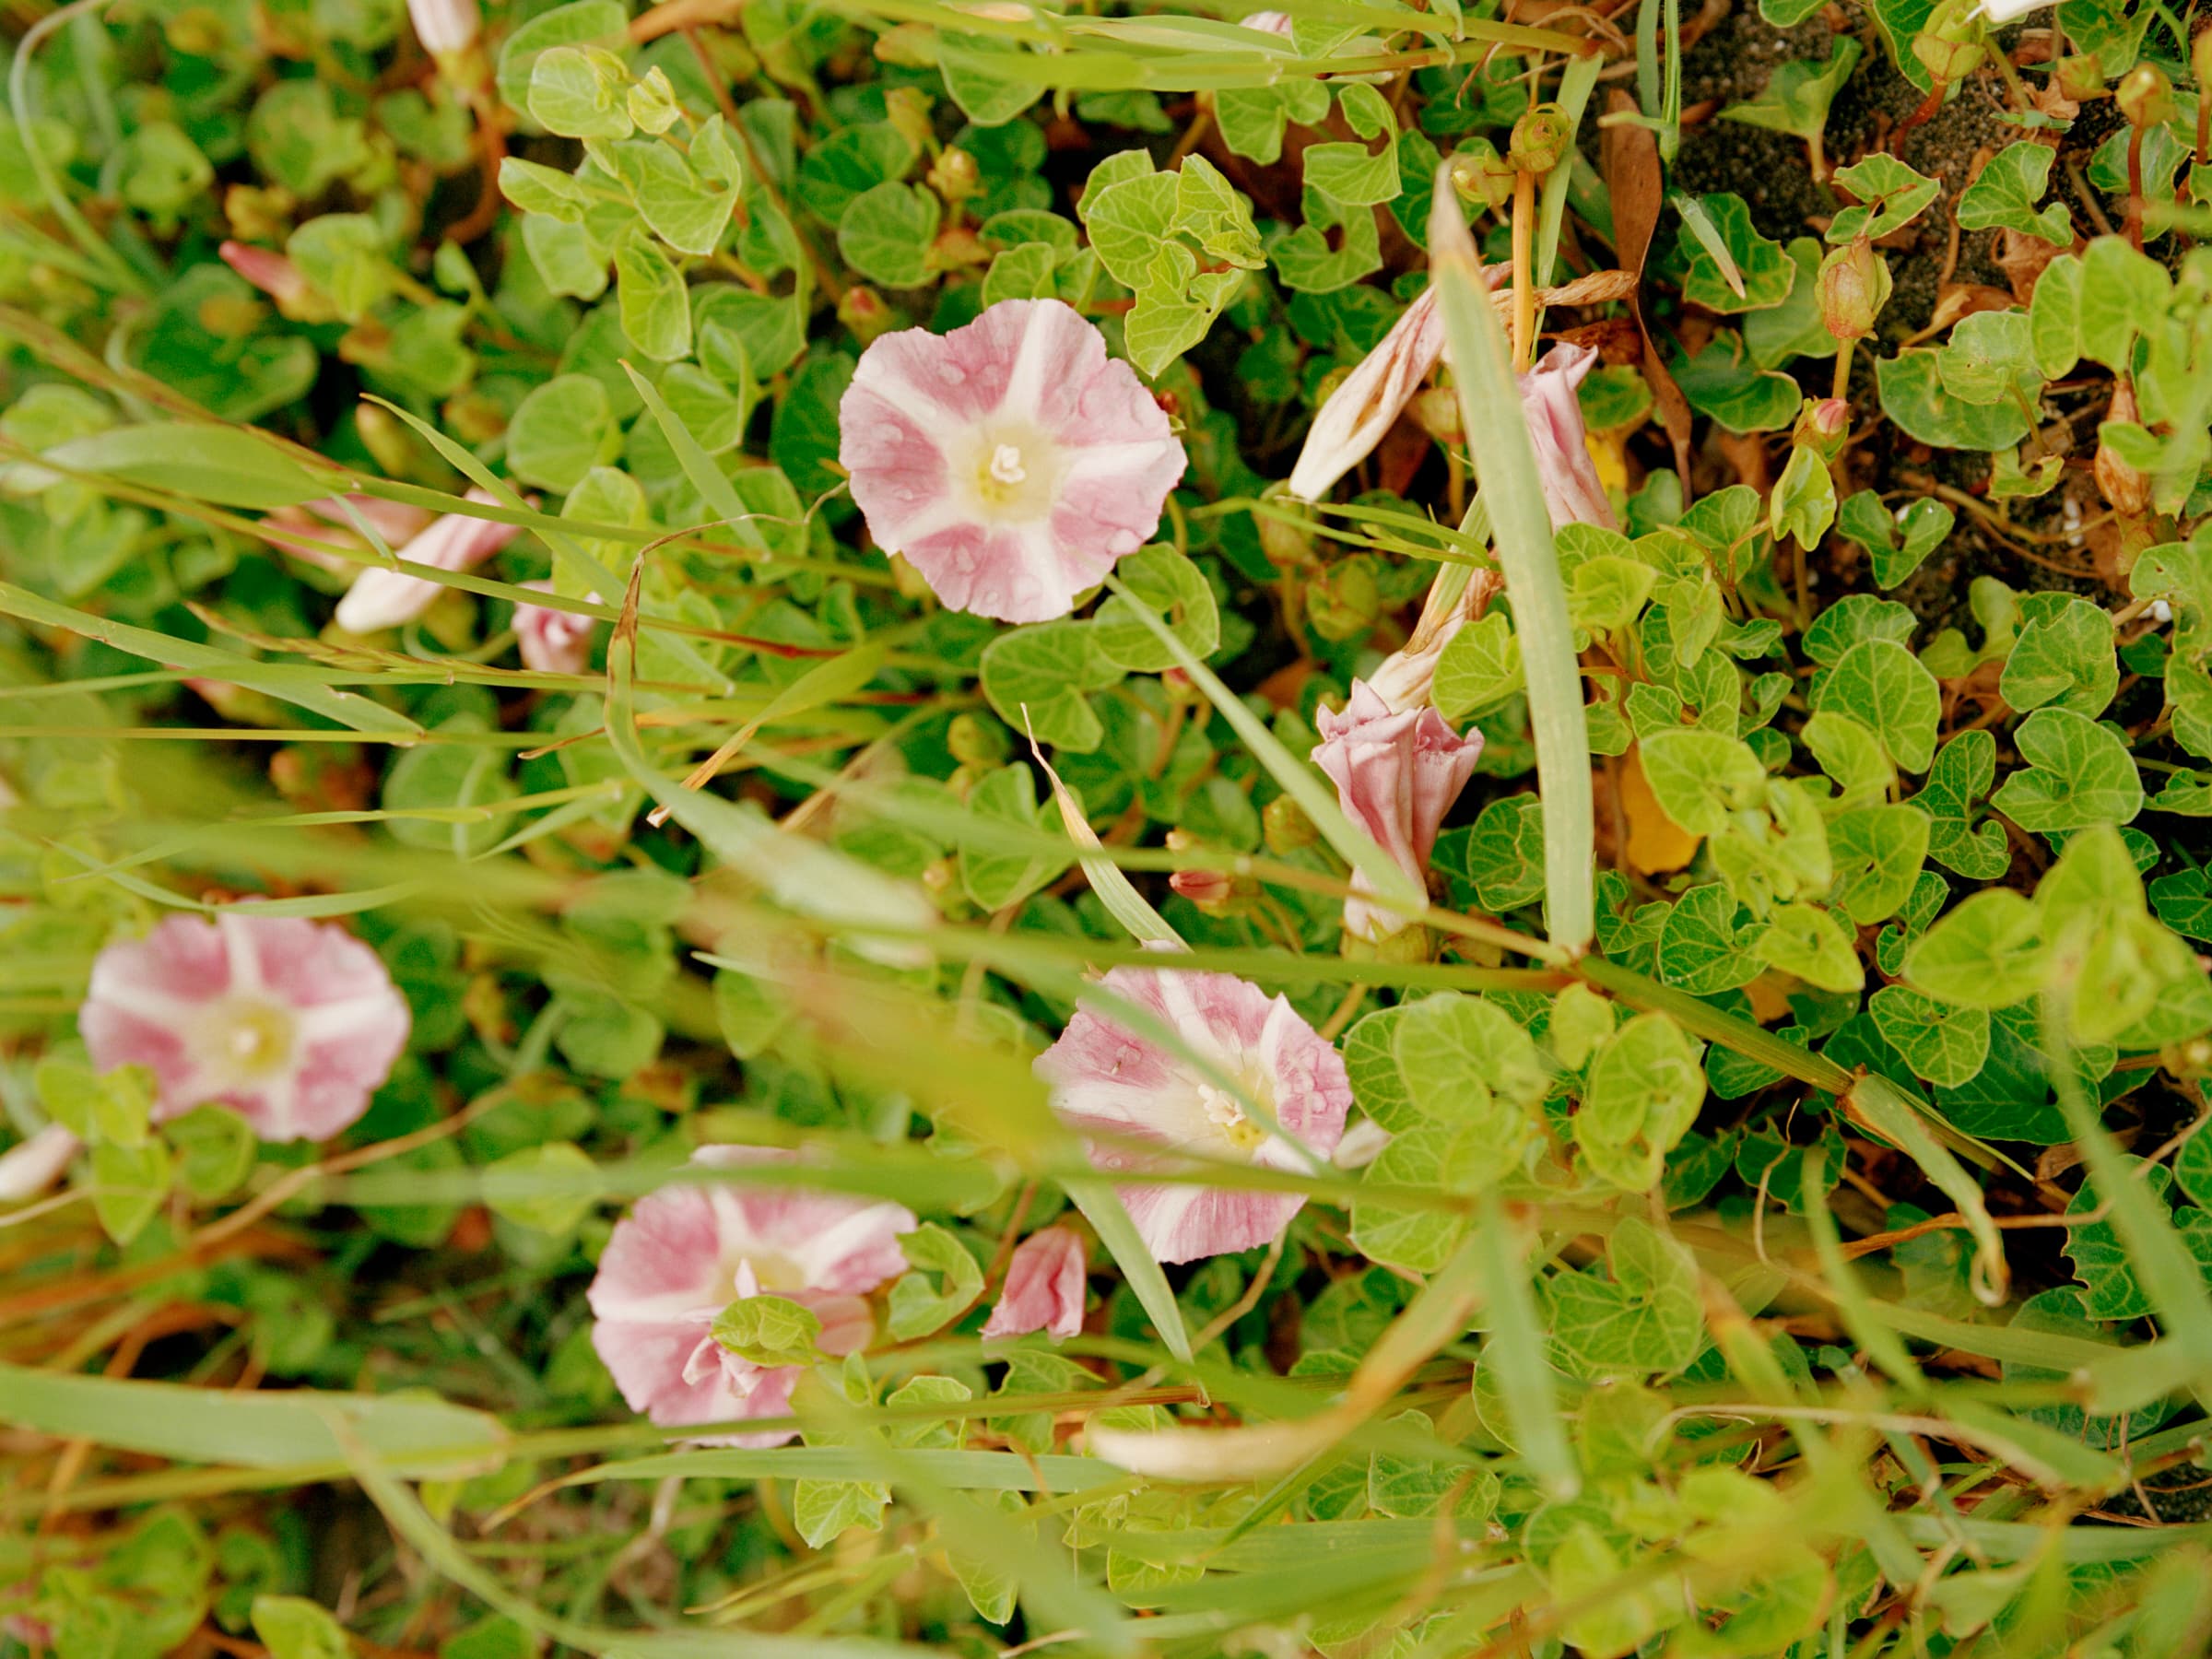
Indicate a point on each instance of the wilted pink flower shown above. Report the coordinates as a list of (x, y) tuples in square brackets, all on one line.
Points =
[(1554, 426), (553, 642), (1107, 1079), (29, 1167), (291, 1023), (1407, 676), (445, 25), (272, 273), (381, 597), (1011, 461), (1044, 1287), (1397, 772), (1368, 401), (688, 1252), (328, 523)]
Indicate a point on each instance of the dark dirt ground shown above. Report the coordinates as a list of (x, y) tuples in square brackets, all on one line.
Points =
[(1732, 62)]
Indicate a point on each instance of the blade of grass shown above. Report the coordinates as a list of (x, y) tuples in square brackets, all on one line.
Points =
[(1505, 463)]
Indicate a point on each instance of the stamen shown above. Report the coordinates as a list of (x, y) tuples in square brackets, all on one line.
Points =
[(1006, 464)]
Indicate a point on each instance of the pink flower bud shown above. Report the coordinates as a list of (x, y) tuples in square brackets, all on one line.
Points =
[(1396, 776), (553, 642), (1554, 426), (273, 274), (1044, 1287)]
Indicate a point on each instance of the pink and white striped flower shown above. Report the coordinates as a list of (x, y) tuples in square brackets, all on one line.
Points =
[(1397, 772), (291, 1023), (553, 642), (688, 1250), (1045, 1282), (1108, 1080), (381, 597), (1011, 461)]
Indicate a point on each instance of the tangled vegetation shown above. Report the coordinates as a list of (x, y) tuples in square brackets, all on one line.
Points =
[(838, 827)]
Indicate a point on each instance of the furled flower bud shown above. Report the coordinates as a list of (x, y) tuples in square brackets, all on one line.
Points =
[(1480, 174), (2125, 489), (273, 274), (2145, 96), (907, 109), (1953, 42), (861, 310), (1541, 138), (1852, 287), (445, 27), (1343, 601), (975, 740), (1286, 544), (2081, 77), (1822, 426), (1285, 827), (954, 175)]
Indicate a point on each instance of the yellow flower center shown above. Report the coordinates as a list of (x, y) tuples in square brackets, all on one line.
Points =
[(1222, 1110), (1015, 473), (254, 1038)]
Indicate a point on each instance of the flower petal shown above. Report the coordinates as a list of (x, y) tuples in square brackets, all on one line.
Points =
[(1044, 1287)]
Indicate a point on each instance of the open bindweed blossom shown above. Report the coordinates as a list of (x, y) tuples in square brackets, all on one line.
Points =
[(1045, 1280), (1011, 461), (1108, 1081), (688, 1251), (291, 1023)]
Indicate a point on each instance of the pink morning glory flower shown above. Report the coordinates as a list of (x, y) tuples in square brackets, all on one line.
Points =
[(1397, 771), (688, 1250), (1011, 461), (291, 1023), (553, 642), (1045, 1286), (381, 597), (1107, 1079)]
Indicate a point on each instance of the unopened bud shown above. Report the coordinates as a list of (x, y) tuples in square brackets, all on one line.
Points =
[(1286, 544), (1480, 174), (1344, 601), (906, 111), (2081, 77), (1208, 889), (861, 310), (1852, 287), (1541, 138), (1822, 426), (954, 175), (1952, 42), (1435, 411), (2145, 96), (388, 440), (445, 27), (2125, 489), (1285, 827), (975, 740)]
